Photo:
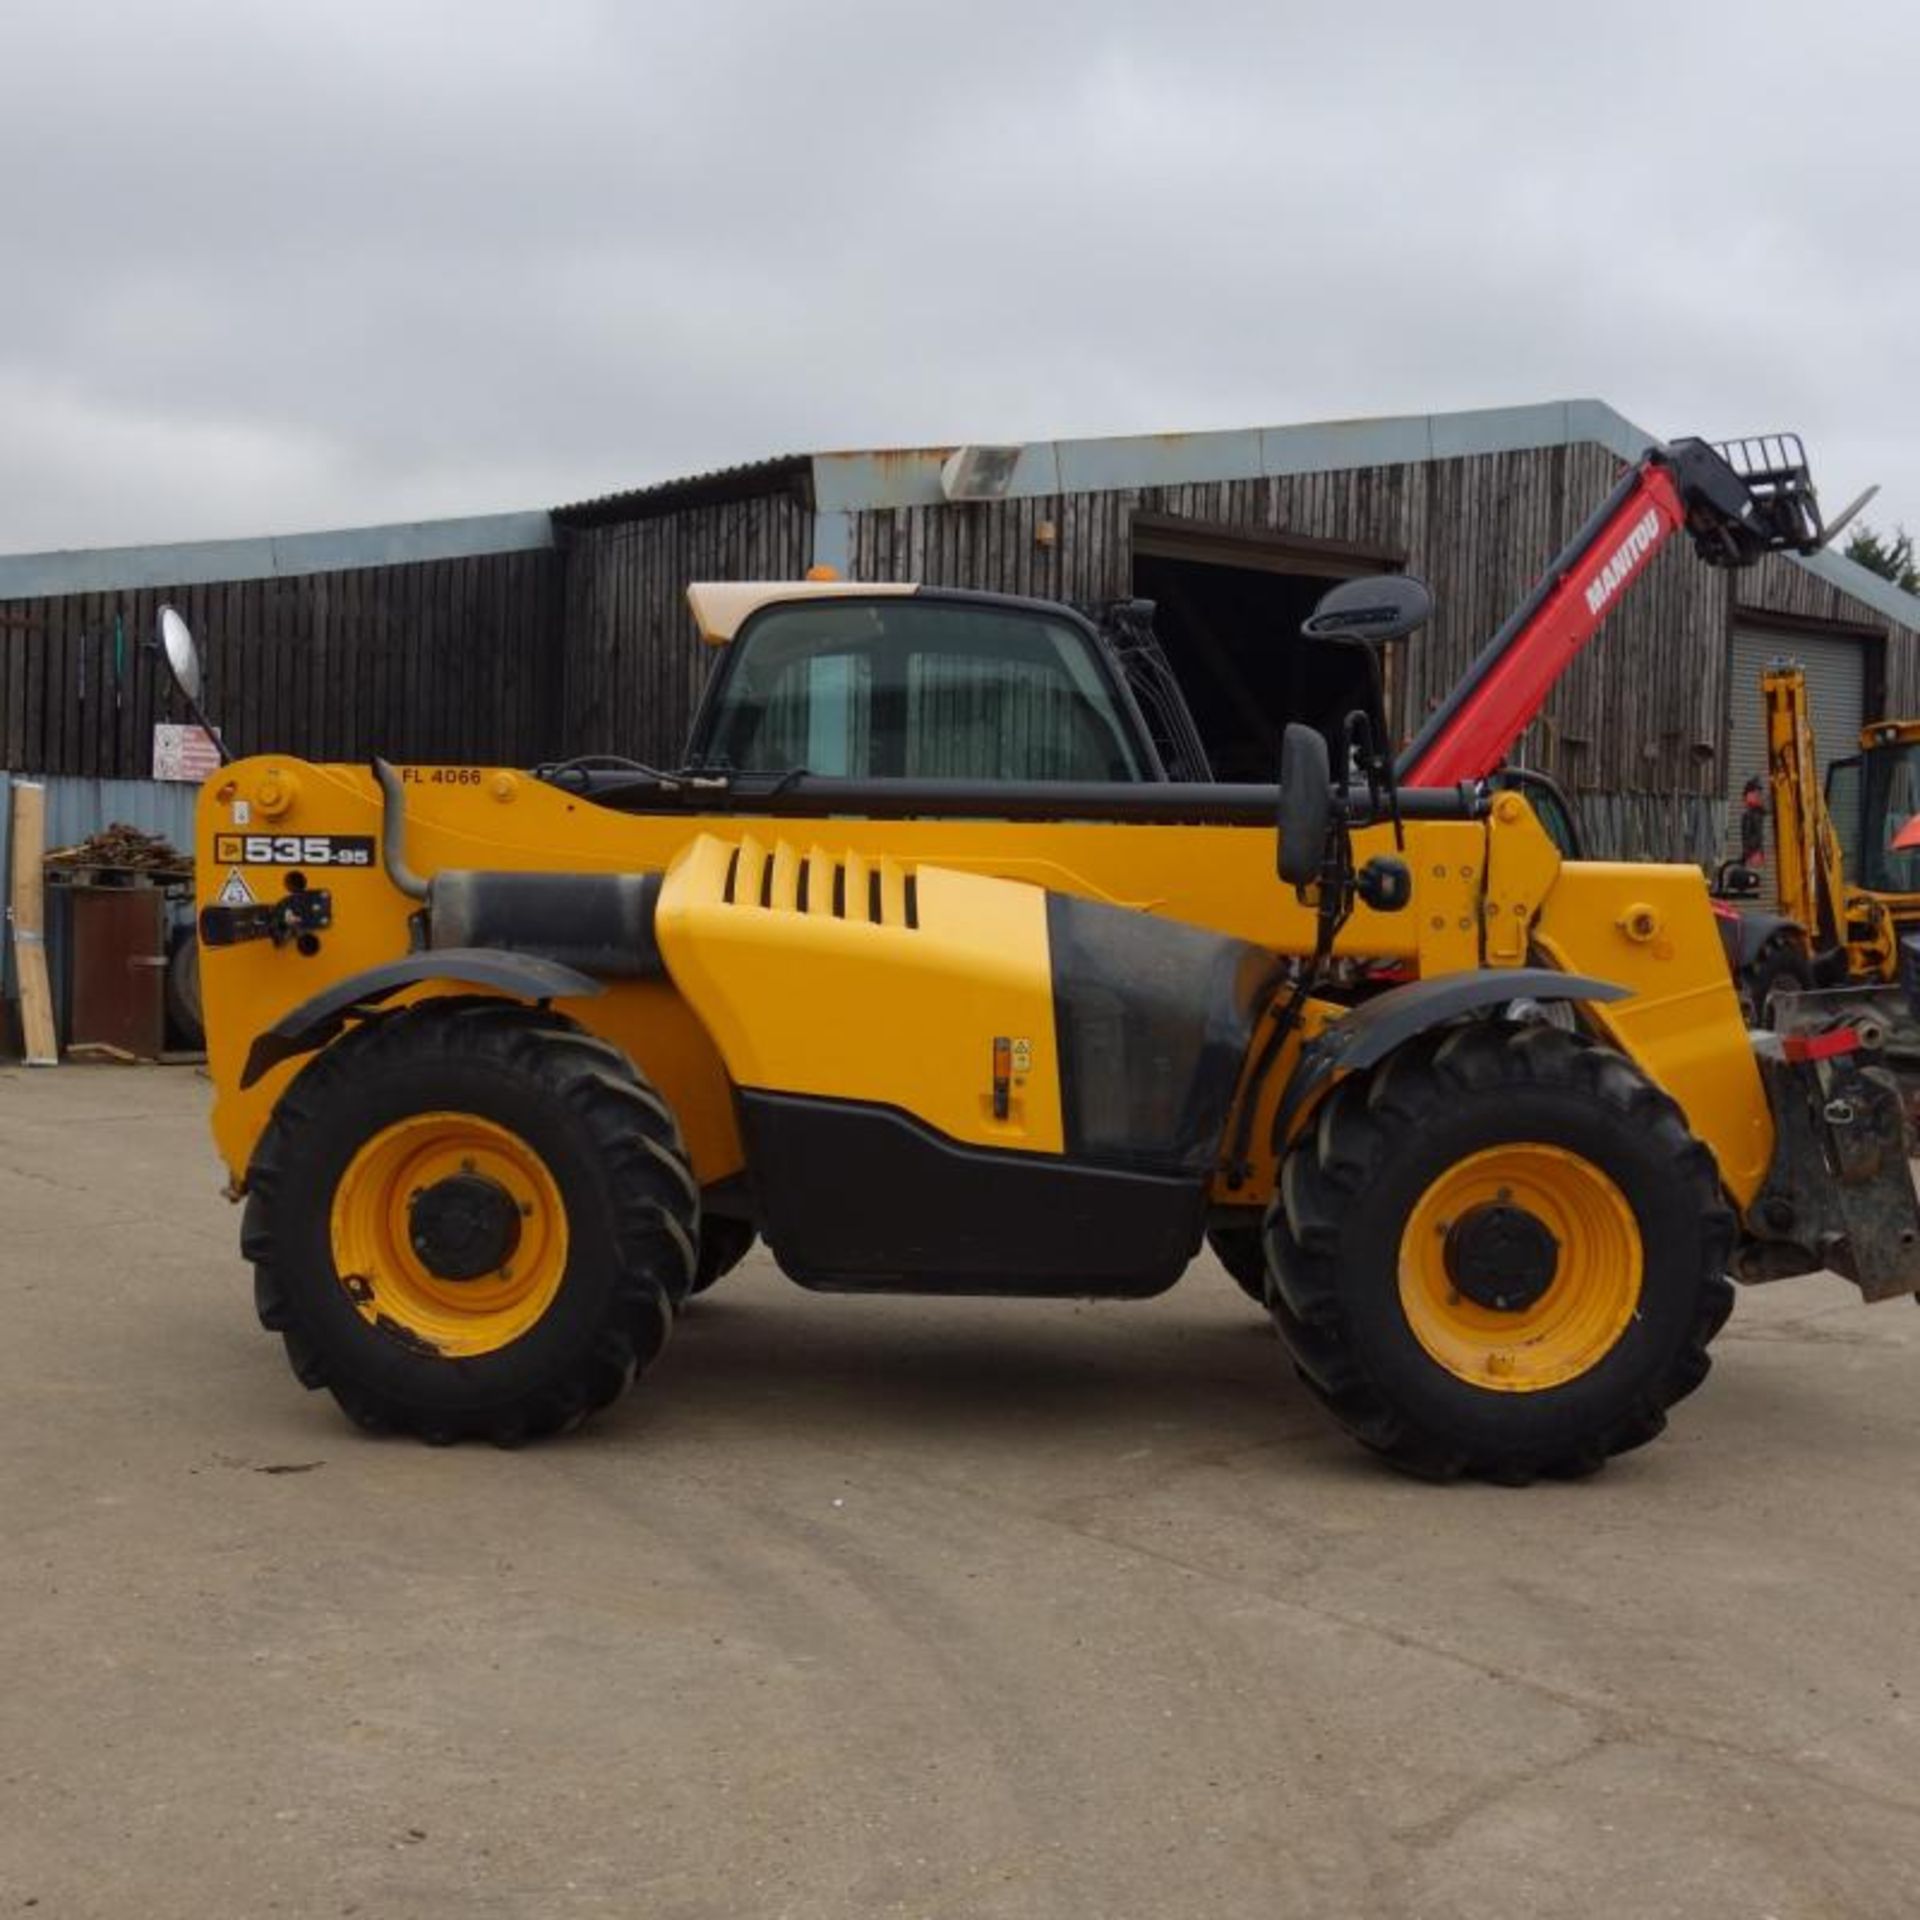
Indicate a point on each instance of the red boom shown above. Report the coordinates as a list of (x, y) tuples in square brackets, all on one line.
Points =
[(1476, 736)]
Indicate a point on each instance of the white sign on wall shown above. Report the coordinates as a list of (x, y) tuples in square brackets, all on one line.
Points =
[(183, 753)]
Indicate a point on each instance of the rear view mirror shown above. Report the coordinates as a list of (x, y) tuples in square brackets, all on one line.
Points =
[(183, 655), (1306, 803), (1375, 608)]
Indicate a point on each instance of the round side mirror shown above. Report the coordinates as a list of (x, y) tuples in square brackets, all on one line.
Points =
[(183, 654), (1374, 608), (1306, 803)]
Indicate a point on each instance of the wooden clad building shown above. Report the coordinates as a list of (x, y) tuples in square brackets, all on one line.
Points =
[(537, 635), (1233, 535), (432, 642)]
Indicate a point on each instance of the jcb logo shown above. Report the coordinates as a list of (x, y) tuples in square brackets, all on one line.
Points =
[(293, 849)]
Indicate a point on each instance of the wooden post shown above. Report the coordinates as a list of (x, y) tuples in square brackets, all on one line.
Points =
[(30, 924)]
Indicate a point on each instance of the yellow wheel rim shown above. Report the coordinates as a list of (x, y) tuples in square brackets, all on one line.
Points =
[(1560, 1325), (375, 1221)]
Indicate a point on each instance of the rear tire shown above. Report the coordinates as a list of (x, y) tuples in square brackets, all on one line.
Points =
[(502, 1113), (1391, 1319)]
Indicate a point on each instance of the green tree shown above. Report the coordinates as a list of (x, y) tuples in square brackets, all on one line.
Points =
[(1889, 555)]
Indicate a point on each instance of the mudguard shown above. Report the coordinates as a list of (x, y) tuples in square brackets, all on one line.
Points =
[(525, 976), (1744, 934), (1375, 1027)]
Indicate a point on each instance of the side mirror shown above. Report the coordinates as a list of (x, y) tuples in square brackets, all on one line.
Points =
[(1374, 608), (1306, 803), (182, 653)]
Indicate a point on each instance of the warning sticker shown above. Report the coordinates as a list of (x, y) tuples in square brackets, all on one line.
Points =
[(235, 892)]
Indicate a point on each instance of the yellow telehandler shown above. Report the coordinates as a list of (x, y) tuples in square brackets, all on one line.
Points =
[(923, 970)]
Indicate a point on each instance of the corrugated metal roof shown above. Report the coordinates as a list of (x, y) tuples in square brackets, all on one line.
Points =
[(747, 481), (835, 485)]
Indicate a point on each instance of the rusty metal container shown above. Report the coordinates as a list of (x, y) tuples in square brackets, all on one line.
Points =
[(117, 957)]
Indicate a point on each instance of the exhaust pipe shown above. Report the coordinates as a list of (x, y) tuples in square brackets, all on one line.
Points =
[(393, 832)]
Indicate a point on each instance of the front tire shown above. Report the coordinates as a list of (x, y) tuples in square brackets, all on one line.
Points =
[(1500, 1253), (470, 1219)]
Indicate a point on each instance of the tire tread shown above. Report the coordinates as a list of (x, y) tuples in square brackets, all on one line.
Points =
[(1357, 1126)]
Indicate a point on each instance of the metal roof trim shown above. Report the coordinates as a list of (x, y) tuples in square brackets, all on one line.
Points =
[(864, 481), (31, 576)]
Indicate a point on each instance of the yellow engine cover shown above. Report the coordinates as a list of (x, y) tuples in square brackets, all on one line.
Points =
[(827, 972)]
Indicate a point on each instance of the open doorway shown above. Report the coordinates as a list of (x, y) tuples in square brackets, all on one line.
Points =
[(1228, 607)]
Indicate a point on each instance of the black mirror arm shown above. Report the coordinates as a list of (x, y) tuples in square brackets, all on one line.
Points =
[(195, 713), (1333, 908), (1366, 735), (1383, 759)]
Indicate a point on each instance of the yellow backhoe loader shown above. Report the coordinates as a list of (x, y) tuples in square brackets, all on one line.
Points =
[(1848, 889)]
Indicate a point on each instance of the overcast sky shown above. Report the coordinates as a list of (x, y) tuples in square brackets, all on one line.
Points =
[(277, 266)]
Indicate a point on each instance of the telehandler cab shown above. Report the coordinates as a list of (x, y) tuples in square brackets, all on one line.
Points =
[(924, 971)]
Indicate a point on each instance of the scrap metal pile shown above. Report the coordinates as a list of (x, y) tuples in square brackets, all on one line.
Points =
[(120, 849)]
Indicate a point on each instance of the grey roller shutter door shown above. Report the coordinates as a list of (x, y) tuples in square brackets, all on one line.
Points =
[(1836, 699)]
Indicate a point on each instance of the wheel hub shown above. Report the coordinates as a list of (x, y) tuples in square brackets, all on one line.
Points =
[(463, 1227), (1501, 1257)]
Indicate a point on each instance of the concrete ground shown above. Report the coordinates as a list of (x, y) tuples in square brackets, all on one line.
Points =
[(868, 1607)]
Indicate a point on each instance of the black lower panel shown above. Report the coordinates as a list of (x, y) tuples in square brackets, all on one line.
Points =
[(864, 1199)]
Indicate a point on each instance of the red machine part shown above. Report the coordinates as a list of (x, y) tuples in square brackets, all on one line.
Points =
[(1515, 686), (1736, 501)]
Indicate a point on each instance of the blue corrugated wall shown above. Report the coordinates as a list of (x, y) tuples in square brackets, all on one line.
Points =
[(76, 808)]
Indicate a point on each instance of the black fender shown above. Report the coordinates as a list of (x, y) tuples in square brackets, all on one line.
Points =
[(1744, 934), (525, 976), (1374, 1028)]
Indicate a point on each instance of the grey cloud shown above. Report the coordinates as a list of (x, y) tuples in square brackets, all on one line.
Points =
[(287, 266)]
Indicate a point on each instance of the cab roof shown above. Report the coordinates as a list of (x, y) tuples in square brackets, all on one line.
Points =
[(722, 607)]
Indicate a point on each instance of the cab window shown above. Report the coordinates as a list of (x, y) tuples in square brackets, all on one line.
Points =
[(916, 689)]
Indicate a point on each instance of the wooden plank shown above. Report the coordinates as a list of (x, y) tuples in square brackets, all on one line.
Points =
[(477, 636), (374, 656), (123, 657), (62, 709), (443, 695), (426, 708), (279, 723), (30, 924), (17, 623), (406, 586), (86, 685), (351, 643), (234, 611), (292, 624), (494, 600)]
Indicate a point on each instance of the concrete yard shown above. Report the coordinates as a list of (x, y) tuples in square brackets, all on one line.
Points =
[(869, 1607)]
